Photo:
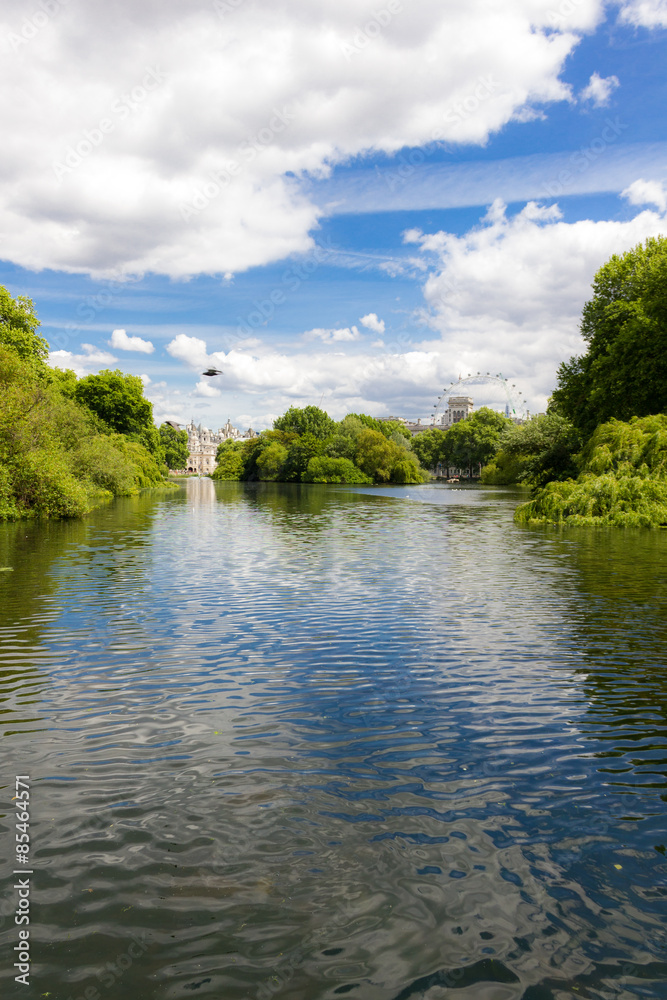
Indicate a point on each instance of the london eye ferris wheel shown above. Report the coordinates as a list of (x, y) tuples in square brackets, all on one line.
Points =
[(497, 390)]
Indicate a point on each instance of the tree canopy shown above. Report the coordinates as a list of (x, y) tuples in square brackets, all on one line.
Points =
[(117, 399), (175, 446), (18, 330), (308, 420), (624, 370)]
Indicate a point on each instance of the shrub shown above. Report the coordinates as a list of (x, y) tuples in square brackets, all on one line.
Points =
[(322, 469), (44, 486)]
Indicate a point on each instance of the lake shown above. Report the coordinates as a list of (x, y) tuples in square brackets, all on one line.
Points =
[(311, 742)]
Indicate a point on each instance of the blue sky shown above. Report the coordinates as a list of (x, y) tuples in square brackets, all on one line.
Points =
[(347, 204)]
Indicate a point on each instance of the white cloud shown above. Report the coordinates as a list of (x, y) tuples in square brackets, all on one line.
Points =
[(371, 322), (507, 296), (643, 192), (92, 360), (121, 341), (332, 336), (184, 156), (206, 389), (599, 89), (645, 13)]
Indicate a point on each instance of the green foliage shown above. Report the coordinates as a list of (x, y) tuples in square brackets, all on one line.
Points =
[(608, 500), (53, 460), (18, 331), (534, 453), (229, 457), (385, 461), (324, 469), (474, 441), (299, 455), (623, 480), (43, 485), (309, 420), (624, 370), (118, 400), (175, 446), (271, 460), (638, 447), (429, 447)]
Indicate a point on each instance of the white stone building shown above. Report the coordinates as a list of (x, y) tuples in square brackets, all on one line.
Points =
[(203, 444)]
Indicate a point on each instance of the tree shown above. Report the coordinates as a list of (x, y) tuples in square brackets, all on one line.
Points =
[(429, 447), (536, 452), (385, 461), (271, 461), (18, 330), (175, 446), (299, 455), (229, 456), (474, 441), (117, 399), (624, 370), (309, 420), (323, 469)]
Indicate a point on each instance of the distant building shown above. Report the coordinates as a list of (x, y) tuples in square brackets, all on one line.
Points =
[(203, 444)]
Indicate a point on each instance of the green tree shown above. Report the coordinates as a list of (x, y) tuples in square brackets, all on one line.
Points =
[(117, 399), (299, 455), (309, 420), (230, 459), (323, 469), (271, 461), (175, 446), (384, 460), (474, 441), (429, 447), (542, 449), (18, 330), (624, 370)]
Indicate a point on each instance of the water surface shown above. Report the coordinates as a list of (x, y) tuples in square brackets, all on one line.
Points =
[(312, 742)]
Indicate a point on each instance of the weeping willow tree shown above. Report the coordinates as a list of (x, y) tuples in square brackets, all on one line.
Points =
[(623, 481)]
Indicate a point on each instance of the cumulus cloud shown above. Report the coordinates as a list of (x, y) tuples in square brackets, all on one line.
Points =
[(371, 322), (90, 361), (599, 89), (121, 341), (507, 296), (332, 336), (643, 192), (645, 13), (206, 389), (183, 152)]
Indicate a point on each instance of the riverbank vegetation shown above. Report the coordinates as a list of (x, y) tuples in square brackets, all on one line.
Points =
[(307, 446), (611, 450), (67, 444)]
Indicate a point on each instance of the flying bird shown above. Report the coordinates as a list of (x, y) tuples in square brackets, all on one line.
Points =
[(212, 371)]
